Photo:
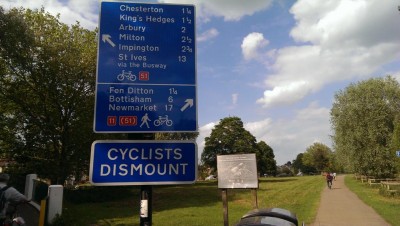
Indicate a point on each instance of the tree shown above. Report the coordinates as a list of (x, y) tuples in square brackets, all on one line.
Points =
[(318, 156), (47, 78), (228, 137), (266, 163), (176, 136), (299, 165), (395, 141), (362, 118)]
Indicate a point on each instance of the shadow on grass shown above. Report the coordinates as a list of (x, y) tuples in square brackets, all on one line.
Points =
[(124, 201), (184, 196)]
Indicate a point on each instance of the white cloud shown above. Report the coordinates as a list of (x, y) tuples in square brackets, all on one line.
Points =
[(235, 97), (293, 136), (338, 41), (396, 75), (207, 35), (252, 45), (285, 94), (86, 12), (230, 10), (287, 137), (259, 128), (204, 132)]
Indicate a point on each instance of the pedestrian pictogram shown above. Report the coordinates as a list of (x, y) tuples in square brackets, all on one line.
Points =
[(145, 120)]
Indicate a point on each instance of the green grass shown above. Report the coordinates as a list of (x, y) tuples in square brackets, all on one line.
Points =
[(386, 207), (201, 203)]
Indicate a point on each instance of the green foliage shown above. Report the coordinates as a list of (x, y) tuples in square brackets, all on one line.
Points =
[(362, 118), (318, 156), (395, 141), (177, 136), (266, 163), (299, 165), (228, 137), (47, 75)]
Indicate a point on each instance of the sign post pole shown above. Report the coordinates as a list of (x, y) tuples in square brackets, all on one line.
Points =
[(224, 192), (255, 203), (146, 191), (146, 207)]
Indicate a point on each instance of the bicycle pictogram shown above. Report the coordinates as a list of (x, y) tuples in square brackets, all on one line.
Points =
[(126, 75), (163, 120)]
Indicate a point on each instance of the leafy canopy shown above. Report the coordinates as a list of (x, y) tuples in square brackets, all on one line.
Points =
[(47, 77), (230, 137), (363, 119)]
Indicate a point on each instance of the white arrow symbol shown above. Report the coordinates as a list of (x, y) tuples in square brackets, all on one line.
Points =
[(189, 103), (107, 38)]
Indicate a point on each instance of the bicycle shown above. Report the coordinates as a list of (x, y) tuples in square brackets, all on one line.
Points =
[(17, 221), (329, 184), (128, 75), (161, 120), (12, 216)]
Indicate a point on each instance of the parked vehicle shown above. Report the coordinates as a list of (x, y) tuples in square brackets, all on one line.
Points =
[(211, 177)]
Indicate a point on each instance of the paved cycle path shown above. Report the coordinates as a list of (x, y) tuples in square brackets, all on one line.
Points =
[(341, 207)]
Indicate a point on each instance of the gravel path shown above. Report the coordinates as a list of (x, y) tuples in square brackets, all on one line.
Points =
[(339, 207)]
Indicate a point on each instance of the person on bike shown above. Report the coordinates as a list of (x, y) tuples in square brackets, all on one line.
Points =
[(10, 195), (329, 179)]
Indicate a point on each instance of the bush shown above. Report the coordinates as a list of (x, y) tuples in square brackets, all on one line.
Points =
[(389, 193)]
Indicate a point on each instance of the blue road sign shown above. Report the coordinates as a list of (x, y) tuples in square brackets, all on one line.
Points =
[(398, 153), (143, 162), (146, 68)]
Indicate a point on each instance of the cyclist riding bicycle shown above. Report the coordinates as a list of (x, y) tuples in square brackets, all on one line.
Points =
[(10, 196), (329, 179)]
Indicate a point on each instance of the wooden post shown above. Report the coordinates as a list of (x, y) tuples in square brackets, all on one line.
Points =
[(225, 205), (254, 193)]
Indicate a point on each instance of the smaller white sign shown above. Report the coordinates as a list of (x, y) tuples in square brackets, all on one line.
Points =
[(237, 171), (398, 153)]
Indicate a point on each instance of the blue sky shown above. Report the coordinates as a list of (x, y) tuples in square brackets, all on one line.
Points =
[(276, 64)]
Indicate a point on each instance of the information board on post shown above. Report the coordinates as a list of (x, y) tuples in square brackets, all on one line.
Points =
[(237, 171), (146, 68), (132, 162)]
